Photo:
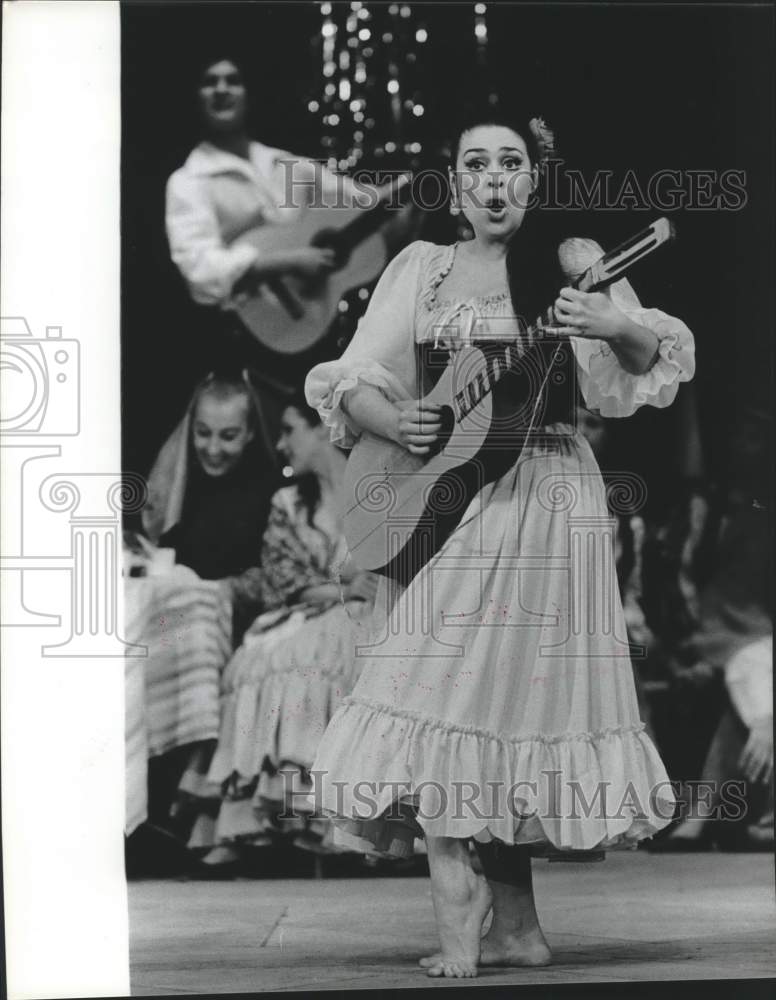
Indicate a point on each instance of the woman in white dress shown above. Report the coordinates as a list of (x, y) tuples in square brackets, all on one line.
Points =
[(495, 716), (297, 660)]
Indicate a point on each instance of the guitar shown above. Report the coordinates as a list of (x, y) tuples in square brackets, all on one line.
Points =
[(404, 505), (289, 314)]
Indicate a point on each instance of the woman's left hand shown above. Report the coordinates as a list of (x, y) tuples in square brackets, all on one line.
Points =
[(588, 314)]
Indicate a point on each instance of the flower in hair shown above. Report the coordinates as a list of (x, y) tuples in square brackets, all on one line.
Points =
[(545, 138)]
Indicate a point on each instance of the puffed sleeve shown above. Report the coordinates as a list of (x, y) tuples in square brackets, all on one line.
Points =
[(605, 385), (381, 353), (209, 267)]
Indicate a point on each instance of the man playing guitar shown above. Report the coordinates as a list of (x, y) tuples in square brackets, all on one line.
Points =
[(231, 184)]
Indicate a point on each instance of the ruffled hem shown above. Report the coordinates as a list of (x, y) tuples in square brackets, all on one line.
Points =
[(612, 391), (386, 777), (276, 811), (280, 692)]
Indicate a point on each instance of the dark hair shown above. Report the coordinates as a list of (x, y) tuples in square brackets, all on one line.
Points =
[(494, 117), (299, 402), (217, 55), (307, 484), (533, 270)]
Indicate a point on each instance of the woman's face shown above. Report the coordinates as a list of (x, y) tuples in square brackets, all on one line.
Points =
[(299, 443), (493, 180), (222, 97), (221, 432)]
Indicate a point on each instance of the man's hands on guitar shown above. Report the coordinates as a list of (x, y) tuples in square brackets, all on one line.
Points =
[(306, 262), (417, 425), (311, 262)]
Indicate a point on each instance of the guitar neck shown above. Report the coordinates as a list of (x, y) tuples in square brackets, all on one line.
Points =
[(366, 222), (613, 265), (603, 272)]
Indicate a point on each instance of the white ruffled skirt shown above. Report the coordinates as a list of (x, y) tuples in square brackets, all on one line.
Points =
[(496, 696), (279, 692)]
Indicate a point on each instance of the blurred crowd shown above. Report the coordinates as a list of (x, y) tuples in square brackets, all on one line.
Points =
[(238, 583)]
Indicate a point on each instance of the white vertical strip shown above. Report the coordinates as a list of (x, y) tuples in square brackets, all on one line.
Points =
[(62, 719)]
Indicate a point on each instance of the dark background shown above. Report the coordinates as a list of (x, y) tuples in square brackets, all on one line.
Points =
[(625, 87)]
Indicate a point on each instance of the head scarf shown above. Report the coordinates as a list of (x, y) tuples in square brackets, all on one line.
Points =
[(171, 473)]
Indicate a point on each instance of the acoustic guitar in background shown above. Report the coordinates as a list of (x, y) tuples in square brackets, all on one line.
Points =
[(290, 314)]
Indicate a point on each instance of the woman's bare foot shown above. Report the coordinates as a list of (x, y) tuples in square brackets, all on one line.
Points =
[(527, 949), (461, 903), (515, 936)]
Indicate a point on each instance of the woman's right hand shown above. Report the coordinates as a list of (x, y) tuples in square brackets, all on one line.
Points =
[(417, 425)]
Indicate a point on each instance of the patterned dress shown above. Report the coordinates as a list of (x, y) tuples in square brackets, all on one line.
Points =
[(496, 696), (283, 684)]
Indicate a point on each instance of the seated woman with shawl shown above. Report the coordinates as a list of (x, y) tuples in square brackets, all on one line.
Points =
[(209, 494), (210, 490)]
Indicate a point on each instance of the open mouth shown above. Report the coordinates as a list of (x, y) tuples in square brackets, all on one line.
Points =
[(496, 209), (224, 104)]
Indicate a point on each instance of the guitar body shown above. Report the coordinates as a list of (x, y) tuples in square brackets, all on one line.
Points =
[(405, 506), (293, 317), (493, 397)]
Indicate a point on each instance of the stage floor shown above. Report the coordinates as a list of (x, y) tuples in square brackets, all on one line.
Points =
[(635, 916)]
